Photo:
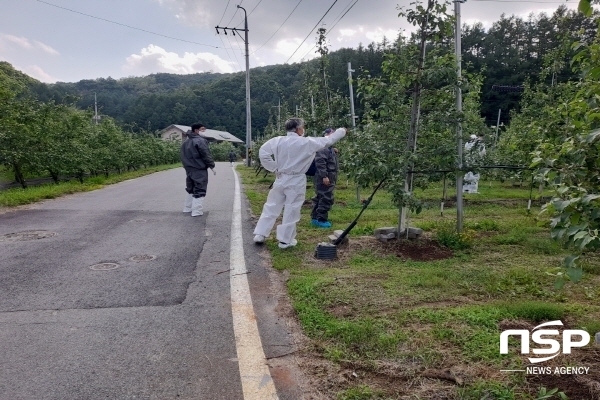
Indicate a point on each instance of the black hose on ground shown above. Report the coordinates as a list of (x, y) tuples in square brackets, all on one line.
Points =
[(353, 224)]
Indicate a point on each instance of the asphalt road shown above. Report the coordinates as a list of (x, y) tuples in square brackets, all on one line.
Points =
[(117, 294)]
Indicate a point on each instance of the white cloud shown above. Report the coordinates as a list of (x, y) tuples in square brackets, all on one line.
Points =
[(286, 48), (378, 34), (7, 40), (346, 35), (19, 41), (46, 48), (347, 32), (38, 73), (153, 59), (193, 12)]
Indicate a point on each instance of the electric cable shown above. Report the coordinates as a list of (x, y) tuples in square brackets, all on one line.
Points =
[(232, 50), (261, 46), (340, 18), (127, 26), (260, 1), (249, 14), (330, 29), (233, 16), (224, 11), (311, 31), (238, 38), (228, 56)]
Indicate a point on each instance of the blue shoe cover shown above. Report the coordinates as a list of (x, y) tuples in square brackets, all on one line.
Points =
[(322, 224)]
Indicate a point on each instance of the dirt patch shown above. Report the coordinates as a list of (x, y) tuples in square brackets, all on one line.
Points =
[(341, 311), (576, 387), (507, 324), (423, 249), (417, 250)]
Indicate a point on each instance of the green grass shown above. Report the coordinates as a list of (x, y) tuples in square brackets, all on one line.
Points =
[(370, 308), (7, 176), (361, 392), (19, 196)]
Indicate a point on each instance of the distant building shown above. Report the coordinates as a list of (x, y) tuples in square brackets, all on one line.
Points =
[(176, 132)]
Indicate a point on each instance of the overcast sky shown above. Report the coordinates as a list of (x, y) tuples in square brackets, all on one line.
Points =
[(70, 40)]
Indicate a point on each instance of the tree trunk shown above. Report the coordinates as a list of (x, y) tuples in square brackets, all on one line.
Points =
[(19, 175), (411, 143), (54, 176)]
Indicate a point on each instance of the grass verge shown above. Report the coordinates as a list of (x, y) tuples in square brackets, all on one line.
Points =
[(411, 326), (19, 196)]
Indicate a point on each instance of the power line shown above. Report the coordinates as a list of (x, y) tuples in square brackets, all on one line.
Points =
[(224, 11), (233, 51), (127, 26), (233, 16), (340, 18), (228, 56), (261, 46), (250, 13), (237, 38), (330, 29), (311, 31)]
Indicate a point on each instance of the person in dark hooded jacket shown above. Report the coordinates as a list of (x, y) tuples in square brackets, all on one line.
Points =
[(325, 178), (232, 157), (196, 159)]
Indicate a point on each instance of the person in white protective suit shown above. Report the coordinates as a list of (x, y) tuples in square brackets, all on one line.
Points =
[(471, 180), (289, 157)]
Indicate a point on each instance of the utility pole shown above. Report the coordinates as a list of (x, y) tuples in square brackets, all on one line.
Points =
[(352, 116), (312, 114), (459, 144), (248, 114), (497, 126), (96, 117), (278, 106)]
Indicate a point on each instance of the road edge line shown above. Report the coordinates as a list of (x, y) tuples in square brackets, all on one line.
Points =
[(257, 383)]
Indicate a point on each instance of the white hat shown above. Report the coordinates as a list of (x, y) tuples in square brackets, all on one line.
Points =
[(473, 137)]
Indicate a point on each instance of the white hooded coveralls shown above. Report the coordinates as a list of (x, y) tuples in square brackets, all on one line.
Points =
[(471, 180), (289, 157)]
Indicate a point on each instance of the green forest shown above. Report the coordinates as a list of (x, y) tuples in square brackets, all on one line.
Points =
[(512, 52)]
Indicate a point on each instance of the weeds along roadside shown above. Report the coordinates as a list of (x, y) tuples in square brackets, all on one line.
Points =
[(19, 196), (381, 314)]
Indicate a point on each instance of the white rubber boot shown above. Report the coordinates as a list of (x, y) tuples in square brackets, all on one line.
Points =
[(197, 206), (187, 206)]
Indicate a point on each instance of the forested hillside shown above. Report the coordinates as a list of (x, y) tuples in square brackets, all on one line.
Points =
[(514, 51)]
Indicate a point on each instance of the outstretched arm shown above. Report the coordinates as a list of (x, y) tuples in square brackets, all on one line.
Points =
[(322, 142)]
